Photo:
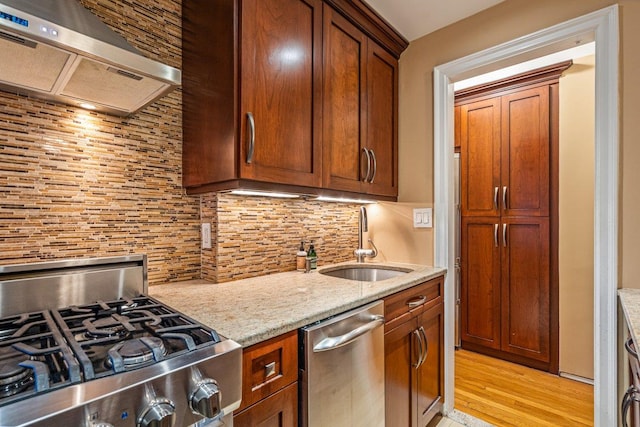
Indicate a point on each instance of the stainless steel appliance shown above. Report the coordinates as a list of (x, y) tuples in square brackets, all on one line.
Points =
[(58, 50), (342, 372), (457, 244), (82, 345)]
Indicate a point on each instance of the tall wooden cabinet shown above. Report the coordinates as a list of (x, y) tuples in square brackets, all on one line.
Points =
[(294, 95), (509, 167)]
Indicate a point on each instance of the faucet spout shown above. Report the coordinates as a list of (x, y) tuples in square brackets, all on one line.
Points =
[(363, 227)]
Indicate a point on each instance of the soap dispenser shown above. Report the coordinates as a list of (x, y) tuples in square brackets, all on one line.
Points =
[(301, 258)]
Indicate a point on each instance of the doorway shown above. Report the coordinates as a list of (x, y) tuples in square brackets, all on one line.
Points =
[(601, 27)]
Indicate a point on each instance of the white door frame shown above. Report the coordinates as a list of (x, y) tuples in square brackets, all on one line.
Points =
[(601, 26)]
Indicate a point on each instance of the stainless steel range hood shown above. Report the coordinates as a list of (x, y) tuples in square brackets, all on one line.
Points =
[(58, 50)]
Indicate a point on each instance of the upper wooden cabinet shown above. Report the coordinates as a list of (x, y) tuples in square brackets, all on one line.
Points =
[(287, 95), (280, 82), (252, 102), (359, 111)]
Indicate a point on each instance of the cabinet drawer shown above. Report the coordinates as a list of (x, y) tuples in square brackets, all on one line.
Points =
[(279, 410), (268, 367), (400, 306)]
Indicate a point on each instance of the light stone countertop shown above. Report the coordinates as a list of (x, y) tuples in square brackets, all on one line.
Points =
[(630, 302), (253, 310)]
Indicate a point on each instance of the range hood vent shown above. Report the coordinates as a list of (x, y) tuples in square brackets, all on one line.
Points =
[(58, 50)]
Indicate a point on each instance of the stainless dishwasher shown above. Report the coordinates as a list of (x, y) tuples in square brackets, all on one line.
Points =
[(342, 371)]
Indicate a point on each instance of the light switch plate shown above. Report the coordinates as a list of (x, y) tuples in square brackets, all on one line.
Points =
[(206, 235), (423, 218)]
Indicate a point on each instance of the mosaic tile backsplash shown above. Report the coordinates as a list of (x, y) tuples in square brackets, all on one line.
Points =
[(78, 184), (259, 235)]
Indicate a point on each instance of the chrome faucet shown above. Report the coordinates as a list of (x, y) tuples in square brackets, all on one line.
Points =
[(363, 226)]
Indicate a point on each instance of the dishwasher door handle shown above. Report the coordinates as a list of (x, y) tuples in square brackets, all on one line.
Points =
[(329, 343)]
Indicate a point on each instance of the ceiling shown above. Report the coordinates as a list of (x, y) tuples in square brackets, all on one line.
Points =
[(415, 18)]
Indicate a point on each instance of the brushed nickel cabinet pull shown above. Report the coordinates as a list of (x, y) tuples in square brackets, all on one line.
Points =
[(495, 197), (504, 235), (504, 197), (420, 355), (375, 166), (495, 235), (426, 344), (368, 154), (251, 124), (417, 301)]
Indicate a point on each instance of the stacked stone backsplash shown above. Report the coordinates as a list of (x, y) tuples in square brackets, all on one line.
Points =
[(79, 184), (259, 235), (83, 184)]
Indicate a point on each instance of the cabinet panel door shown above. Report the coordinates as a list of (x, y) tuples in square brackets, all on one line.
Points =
[(430, 381), (480, 158), (525, 287), (277, 410), (525, 152), (382, 96), (281, 80), (344, 103), (400, 353), (480, 291)]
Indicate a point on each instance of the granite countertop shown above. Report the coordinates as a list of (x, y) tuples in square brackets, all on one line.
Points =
[(630, 302), (253, 310)]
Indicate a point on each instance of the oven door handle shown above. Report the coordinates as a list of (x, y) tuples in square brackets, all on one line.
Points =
[(329, 343)]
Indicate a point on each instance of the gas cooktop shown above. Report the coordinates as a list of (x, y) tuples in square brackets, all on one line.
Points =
[(130, 360)]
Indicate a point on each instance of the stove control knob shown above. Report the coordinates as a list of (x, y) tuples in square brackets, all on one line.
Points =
[(100, 424), (159, 412), (205, 398)]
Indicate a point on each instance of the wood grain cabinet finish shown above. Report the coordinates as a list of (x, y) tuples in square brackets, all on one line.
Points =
[(277, 410), (508, 190), (359, 110), (414, 355), (286, 94), (252, 100), (269, 373)]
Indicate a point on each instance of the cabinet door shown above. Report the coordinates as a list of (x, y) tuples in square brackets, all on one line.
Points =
[(480, 158), (525, 287), (382, 96), (277, 410), (344, 104), (401, 353), (525, 153), (480, 291), (430, 378), (281, 80)]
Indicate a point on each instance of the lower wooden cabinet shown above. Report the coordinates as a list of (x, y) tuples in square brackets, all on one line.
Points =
[(414, 356), (414, 366), (278, 410), (270, 384), (506, 290)]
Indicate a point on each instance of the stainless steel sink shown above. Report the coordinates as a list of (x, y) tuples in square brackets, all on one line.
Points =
[(365, 273)]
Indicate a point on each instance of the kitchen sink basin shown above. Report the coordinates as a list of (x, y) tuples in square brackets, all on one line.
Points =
[(365, 273)]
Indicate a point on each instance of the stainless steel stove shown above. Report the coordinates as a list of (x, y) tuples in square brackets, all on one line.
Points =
[(82, 345)]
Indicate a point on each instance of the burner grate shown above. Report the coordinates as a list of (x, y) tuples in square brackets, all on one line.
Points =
[(98, 332)]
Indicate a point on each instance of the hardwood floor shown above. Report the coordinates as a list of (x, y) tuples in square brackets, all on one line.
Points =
[(506, 394)]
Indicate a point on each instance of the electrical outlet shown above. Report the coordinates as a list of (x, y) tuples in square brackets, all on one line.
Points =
[(423, 218), (206, 235)]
